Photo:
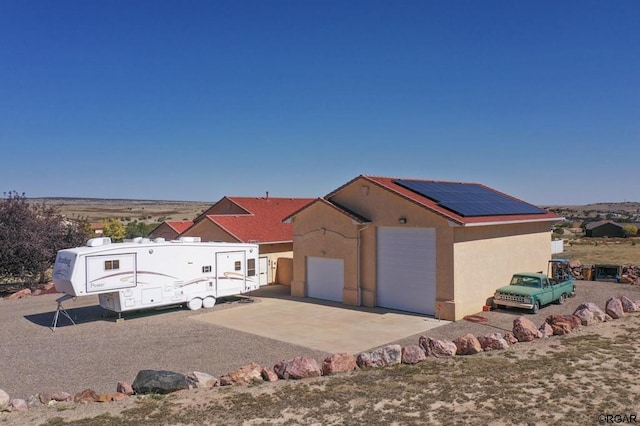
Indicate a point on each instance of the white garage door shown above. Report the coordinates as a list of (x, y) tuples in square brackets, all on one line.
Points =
[(325, 278), (407, 269)]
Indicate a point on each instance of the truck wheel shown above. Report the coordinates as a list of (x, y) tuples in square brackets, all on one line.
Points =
[(208, 302), (562, 298), (536, 307), (195, 304)]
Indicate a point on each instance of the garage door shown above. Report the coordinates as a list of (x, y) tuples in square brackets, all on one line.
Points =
[(325, 278), (407, 269)]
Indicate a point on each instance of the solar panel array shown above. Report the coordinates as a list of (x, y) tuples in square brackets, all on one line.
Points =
[(469, 199)]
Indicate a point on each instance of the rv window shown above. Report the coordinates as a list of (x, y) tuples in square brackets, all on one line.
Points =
[(237, 266), (111, 264), (251, 267), (206, 269)]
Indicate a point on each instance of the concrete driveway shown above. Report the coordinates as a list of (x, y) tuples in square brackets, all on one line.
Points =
[(316, 324)]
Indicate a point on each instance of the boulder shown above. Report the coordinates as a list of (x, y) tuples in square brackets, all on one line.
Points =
[(159, 381), (614, 308), (44, 398), (199, 380), (5, 399), (628, 305), (437, 348), (297, 368), (467, 345), (245, 375), (268, 375), (18, 405), (524, 330), (381, 357), (563, 324), (589, 313), (510, 338), (125, 388), (20, 294), (104, 397), (493, 342), (118, 396), (338, 363), (413, 354), (87, 395), (61, 396), (546, 330)]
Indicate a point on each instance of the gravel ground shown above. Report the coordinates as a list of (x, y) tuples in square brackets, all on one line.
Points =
[(99, 352)]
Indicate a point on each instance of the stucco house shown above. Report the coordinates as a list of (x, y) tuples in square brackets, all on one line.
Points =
[(434, 248), (170, 229), (254, 220)]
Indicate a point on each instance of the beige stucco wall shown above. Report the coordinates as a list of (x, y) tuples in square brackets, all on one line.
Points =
[(486, 257), (274, 252), (322, 231)]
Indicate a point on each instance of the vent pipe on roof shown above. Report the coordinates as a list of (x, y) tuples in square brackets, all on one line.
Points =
[(267, 196)]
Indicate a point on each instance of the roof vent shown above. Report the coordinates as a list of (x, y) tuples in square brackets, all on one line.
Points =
[(189, 239), (100, 241)]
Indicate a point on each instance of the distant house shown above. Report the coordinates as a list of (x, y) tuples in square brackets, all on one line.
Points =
[(254, 220), (169, 230), (97, 228), (604, 228)]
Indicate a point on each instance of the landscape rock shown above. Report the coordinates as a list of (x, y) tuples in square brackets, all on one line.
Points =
[(159, 381), (118, 396), (268, 375), (297, 368), (614, 309), (5, 399), (628, 305), (437, 348), (524, 330), (382, 357), (467, 345), (199, 380), (20, 294), (413, 354), (563, 324), (125, 388), (338, 363), (61, 396), (245, 375), (546, 330), (44, 398), (493, 342), (32, 401), (18, 405), (590, 313), (510, 338), (87, 395)]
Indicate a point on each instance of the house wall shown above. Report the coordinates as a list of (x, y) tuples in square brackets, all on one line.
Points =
[(209, 231), (322, 231), (486, 257), (280, 271), (385, 208), (164, 231)]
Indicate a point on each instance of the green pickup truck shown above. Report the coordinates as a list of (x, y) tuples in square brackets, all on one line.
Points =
[(533, 290)]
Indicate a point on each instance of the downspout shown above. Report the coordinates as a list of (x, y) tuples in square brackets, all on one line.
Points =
[(358, 266)]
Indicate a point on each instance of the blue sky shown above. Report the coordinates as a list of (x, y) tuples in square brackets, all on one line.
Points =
[(194, 100)]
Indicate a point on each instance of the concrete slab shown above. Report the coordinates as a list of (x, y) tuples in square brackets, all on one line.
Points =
[(320, 326)]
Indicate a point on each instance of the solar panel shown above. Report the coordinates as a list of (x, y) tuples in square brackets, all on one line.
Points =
[(469, 199)]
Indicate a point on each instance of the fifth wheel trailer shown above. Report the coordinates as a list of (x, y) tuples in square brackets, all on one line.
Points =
[(147, 274)]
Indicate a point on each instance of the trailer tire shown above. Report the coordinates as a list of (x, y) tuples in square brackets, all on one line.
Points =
[(195, 304), (208, 302)]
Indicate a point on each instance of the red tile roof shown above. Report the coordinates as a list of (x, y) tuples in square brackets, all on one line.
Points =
[(179, 226), (264, 223), (389, 184)]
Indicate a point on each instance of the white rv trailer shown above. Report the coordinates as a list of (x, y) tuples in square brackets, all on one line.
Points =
[(147, 274)]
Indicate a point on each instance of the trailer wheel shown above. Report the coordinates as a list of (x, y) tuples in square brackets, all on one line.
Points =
[(195, 304), (208, 302)]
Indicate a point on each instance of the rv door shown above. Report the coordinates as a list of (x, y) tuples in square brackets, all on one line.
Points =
[(106, 273)]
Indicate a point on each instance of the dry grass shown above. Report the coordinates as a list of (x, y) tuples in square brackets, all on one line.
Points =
[(590, 251)]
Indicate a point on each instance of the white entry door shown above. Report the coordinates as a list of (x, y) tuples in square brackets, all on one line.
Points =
[(406, 259), (325, 278), (264, 271)]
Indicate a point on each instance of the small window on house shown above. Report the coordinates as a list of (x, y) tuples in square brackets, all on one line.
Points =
[(111, 264), (237, 266), (206, 269), (251, 267)]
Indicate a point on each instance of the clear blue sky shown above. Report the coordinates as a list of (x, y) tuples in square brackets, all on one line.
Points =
[(194, 100)]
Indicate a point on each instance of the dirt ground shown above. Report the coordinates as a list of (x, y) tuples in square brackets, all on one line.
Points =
[(572, 379)]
